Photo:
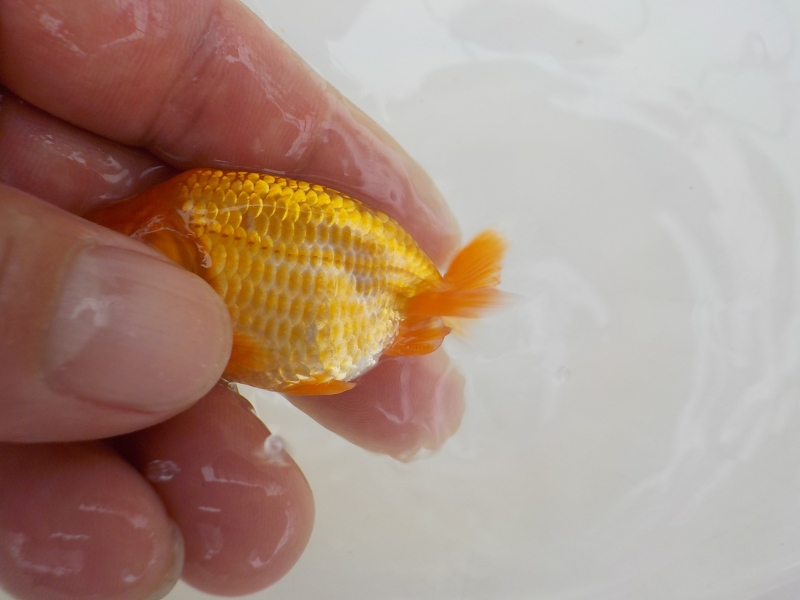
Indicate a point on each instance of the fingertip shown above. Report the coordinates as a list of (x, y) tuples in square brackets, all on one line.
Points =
[(123, 313), (244, 507), (76, 521), (101, 335), (404, 406)]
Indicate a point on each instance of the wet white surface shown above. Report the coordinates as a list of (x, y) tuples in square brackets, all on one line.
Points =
[(632, 423)]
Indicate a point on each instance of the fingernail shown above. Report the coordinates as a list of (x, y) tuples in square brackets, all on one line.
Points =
[(136, 331)]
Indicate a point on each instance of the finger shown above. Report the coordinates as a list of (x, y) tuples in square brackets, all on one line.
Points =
[(76, 521), (209, 84), (65, 165), (245, 513), (402, 406), (100, 335)]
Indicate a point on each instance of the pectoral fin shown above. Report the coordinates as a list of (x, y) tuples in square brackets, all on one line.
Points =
[(247, 357)]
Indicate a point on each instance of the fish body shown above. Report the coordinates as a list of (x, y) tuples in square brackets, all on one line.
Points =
[(318, 284)]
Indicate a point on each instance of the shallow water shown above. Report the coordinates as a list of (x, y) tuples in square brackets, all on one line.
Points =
[(632, 417)]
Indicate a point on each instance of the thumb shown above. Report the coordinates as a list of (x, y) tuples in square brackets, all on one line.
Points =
[(99, 335)]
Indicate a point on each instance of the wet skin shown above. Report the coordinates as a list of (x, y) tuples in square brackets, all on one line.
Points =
[(101, 336)]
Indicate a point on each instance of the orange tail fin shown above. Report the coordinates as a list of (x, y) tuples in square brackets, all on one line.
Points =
[(468, 287)]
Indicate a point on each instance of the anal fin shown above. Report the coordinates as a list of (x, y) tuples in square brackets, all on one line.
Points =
[(249, 361), (313, 387), (418, 335)]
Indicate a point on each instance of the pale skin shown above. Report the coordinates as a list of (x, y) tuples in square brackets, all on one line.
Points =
[(102, 337)]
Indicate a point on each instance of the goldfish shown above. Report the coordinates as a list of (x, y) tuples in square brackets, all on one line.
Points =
[(319, 285)]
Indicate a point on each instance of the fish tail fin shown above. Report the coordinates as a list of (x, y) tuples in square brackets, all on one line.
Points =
[(468, 288)]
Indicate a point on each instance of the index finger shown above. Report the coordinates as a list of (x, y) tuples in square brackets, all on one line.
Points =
[(207, 83)]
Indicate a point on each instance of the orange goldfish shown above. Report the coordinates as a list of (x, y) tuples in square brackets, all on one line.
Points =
[(318, 284)]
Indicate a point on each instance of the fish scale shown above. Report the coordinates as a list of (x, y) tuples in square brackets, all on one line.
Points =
[(356, 279)]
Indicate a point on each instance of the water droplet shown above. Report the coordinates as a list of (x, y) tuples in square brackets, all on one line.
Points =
[(273, 446), (231, 385), (161, 470), (274, 451)]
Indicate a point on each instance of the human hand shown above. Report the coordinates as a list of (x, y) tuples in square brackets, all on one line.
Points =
[(103, 337)]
